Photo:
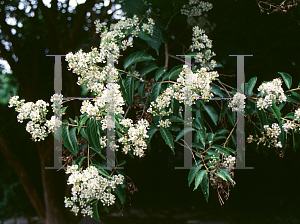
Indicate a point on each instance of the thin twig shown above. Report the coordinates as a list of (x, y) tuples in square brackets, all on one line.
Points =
[(126, 112), (88, 155), (187, 146), (177, 58), (229, 134), (171, 19), (166, 56)]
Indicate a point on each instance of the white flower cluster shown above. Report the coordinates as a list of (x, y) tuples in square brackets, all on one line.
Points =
[(238, 102), (134, 136), (56, 99), (110, 95), (165, 124), (202, 45), (110, 37), (195, 8), (93, 76), (161, 102), (297, 114), (270, 91), (273, 132), (36, 112), (88, 184), (288, 125), (198, 82)]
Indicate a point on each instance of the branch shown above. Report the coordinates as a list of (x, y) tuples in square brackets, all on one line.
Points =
[(179, 59), (166, 56), (24, 178)]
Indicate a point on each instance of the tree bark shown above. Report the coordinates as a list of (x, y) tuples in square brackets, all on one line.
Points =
[(53, 186)]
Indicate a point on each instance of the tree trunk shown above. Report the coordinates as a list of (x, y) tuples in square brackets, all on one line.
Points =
[(53, 186), (30, 189)]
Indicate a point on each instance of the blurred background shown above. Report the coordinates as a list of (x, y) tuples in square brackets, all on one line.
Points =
[(32, 29)]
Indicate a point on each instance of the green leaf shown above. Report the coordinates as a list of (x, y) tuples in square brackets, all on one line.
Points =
[(276, 111), (137, 57), (212, 153), (95, 212), (212, 113), (219, 65), (79, 161), (146, 37), (210, 138), (102, 171), (230, 118), (251, 85), (199, 178), (194, 171), (287, 79), (296, 95), (199, 120), (134, 7), (176, 119), (174, 127), (63, 110), (73, 140), (148, 68), (159, 72), (122, 162), (94, 138), (155, 91), (175, 106), (72, 121), (221, 175), (184, 132), (123, 88), (141, 89), (67, 140), (210, 157), (167, 137), (262, 116), (221, 132), (205, 186), (129, 85), (120, 193), (152, 129), (227, 174), (290, 115), (157, 40), (202, 136), (82, 121), (225, 150), (215, 89), (173, 74), (197, 145), (292, 99), (84, 134)]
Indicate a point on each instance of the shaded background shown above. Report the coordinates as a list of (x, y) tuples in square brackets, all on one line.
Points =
[(269, 193)]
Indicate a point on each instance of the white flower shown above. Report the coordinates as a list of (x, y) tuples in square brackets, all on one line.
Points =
[(87, 184), (270, 91), (297, 114), (195, 8), (288, 125), (238, 102)]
